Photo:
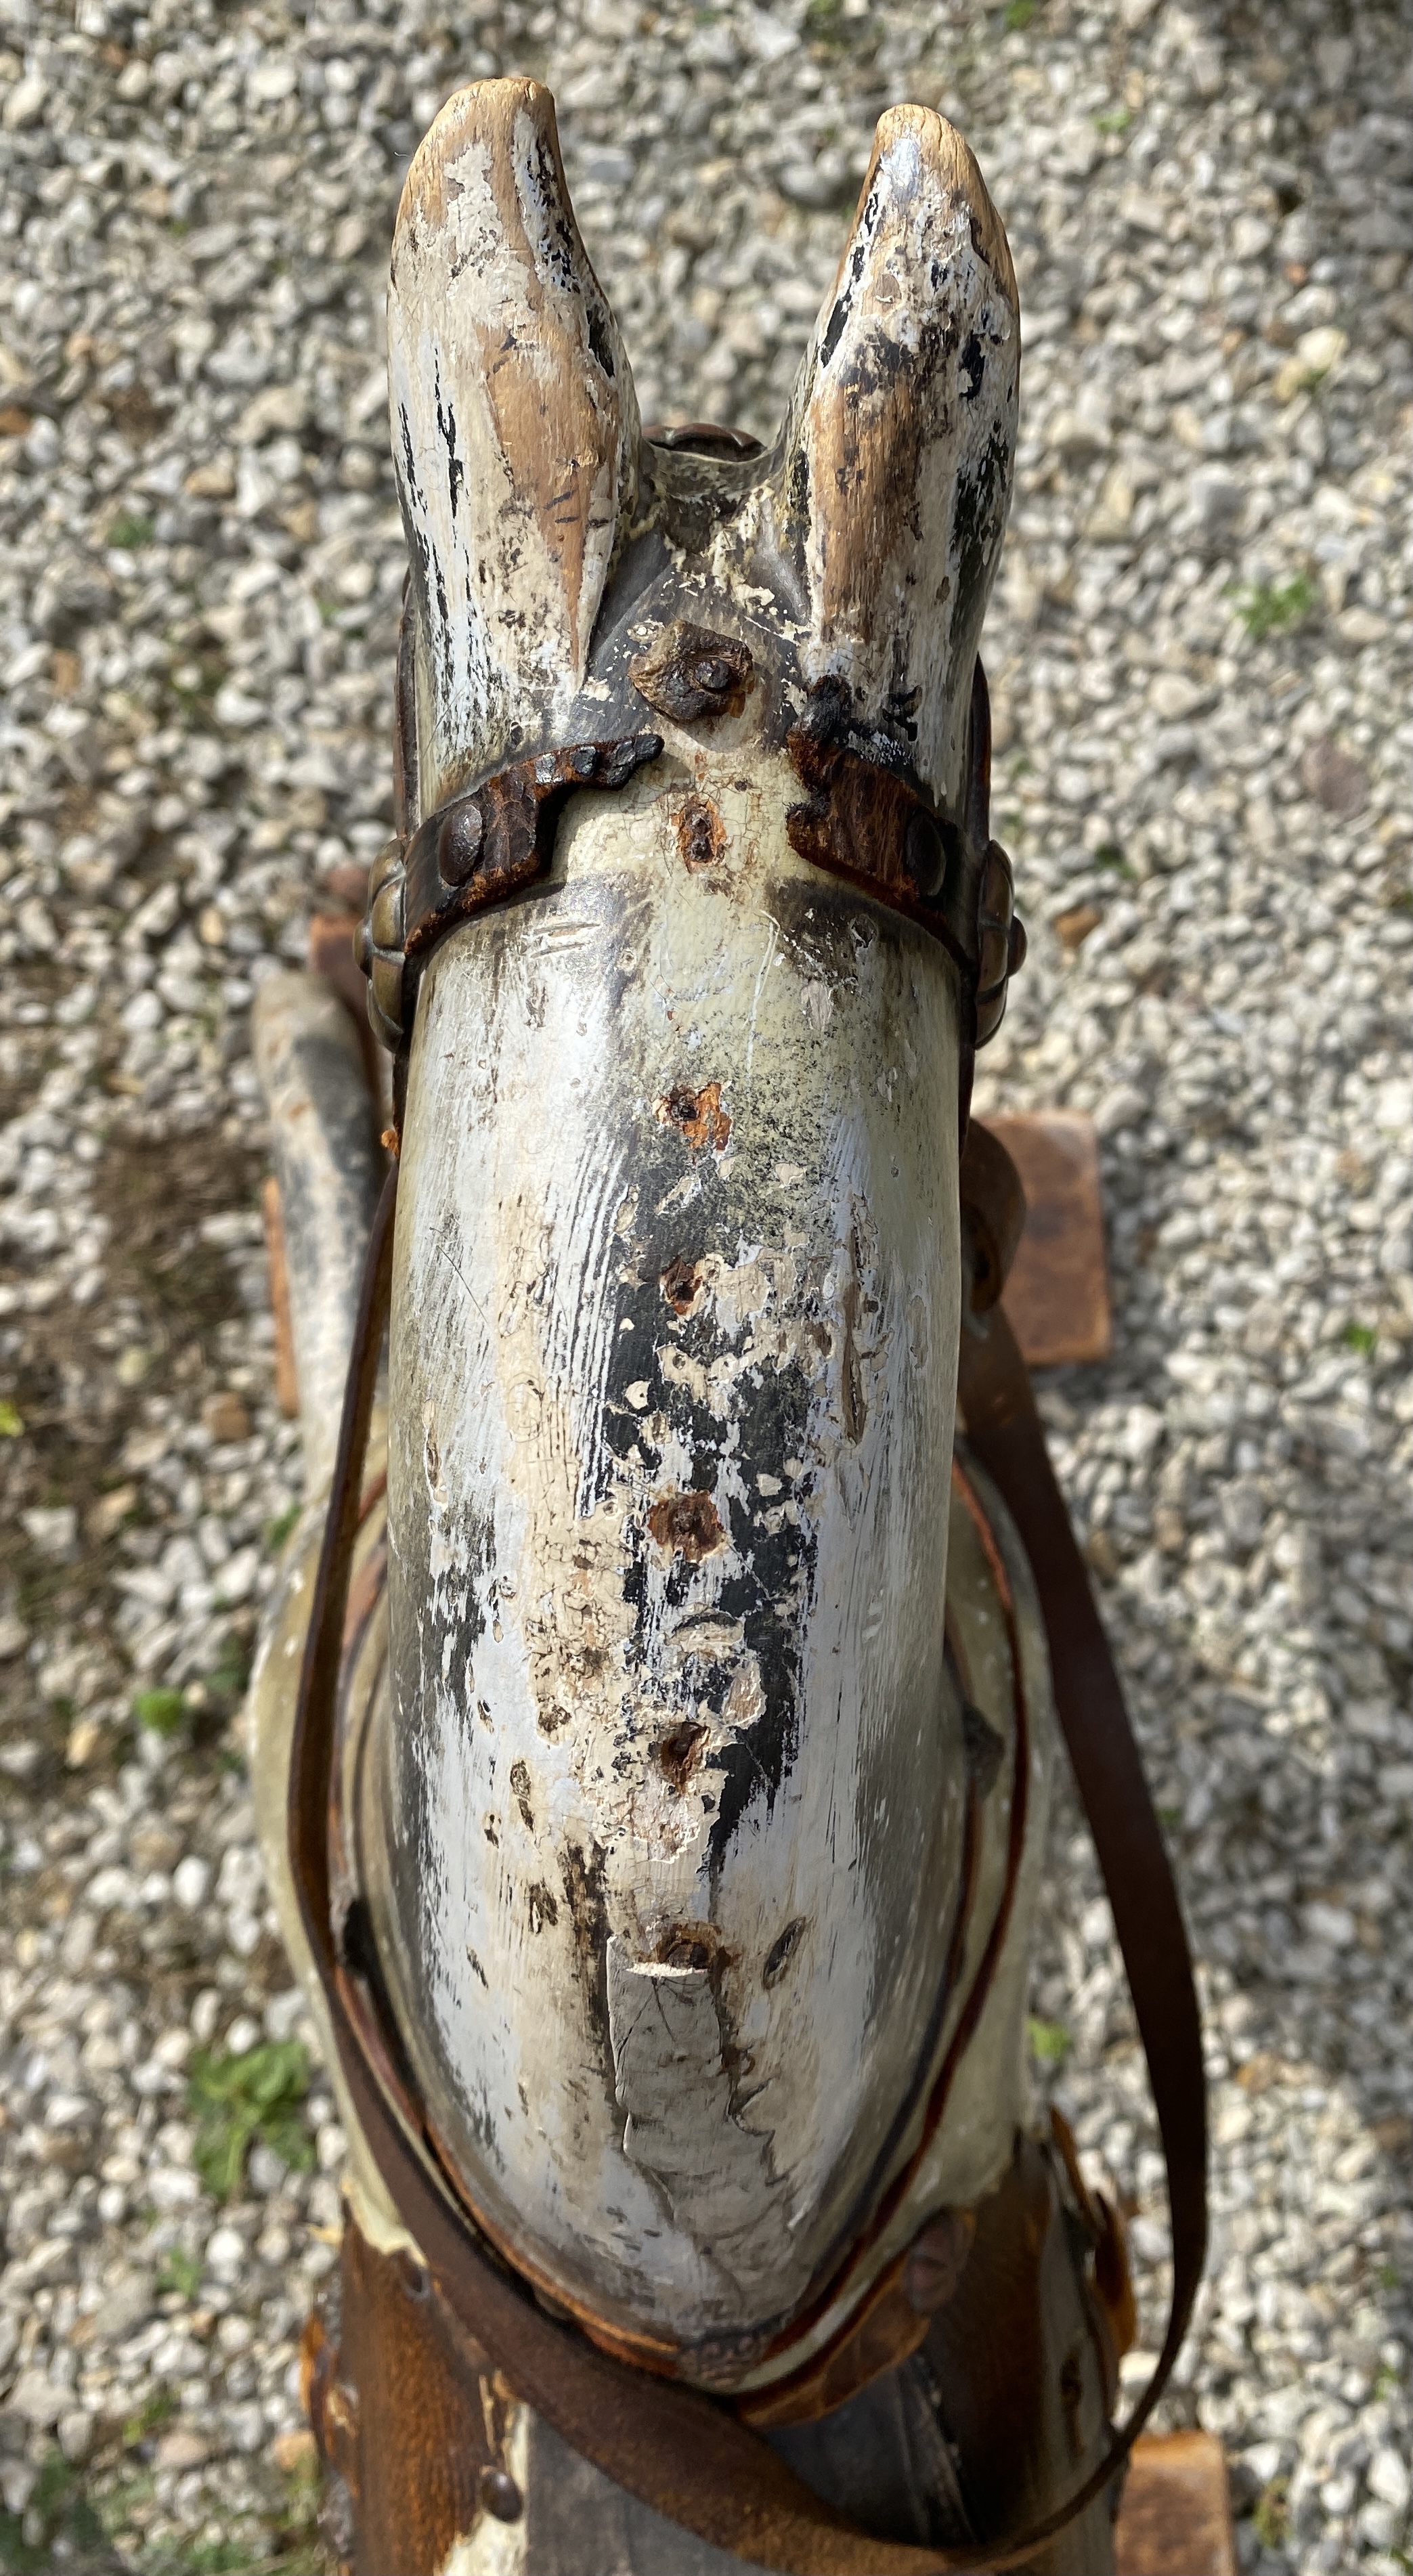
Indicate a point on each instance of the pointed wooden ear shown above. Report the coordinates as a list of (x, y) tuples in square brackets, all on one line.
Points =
[(894, 480), (515, 430)]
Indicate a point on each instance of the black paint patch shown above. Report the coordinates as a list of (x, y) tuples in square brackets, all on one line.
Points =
[(455, 469), (767, 1583), (978, 522), (544, 1908), (782, 1952), (582, 1876), (835, 333), (520, 1785)]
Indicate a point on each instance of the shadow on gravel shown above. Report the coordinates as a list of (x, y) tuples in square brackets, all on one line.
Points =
[(78, 1388)]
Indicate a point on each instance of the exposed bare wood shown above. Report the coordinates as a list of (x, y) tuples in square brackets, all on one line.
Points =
[(327, 1165), (1057, 1295), (514, 425), (286, 1379), (894, 479)]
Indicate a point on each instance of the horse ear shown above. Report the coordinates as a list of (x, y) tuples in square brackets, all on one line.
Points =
[(514, 426), (892, 487)]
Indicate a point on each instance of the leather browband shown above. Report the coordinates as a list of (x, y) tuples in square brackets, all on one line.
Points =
[(690, 2456)]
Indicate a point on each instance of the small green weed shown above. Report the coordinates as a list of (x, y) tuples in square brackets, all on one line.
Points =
[(162, 1712), (1271, 2517), (278, 1530), (1361, 1338), (1109, 855), (131, 530), (61, 2511), (230, 1675), (1267, 606), (1018, 15), (11, 1419), (180, 2272), (156, 2410), (1115, 120), (239, 2099), (1050, 2042)]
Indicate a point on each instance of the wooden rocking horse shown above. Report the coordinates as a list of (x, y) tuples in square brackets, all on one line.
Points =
[(655, 1726)]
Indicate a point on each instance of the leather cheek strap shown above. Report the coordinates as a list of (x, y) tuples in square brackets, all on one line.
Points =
[(686, 2455)]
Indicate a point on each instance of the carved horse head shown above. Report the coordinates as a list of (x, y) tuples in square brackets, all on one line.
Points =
[(688, 938), (658, 1817)]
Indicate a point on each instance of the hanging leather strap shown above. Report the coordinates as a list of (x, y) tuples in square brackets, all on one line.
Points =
[(687, 2455)]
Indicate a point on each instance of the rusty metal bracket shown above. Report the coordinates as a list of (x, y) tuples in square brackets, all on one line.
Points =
[(867, 820), (482, 846)]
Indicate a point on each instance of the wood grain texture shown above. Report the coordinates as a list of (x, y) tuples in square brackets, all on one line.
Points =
[(1057, 1295), (1175, 2518), (328, 1166), (894, 480), (514, 428)]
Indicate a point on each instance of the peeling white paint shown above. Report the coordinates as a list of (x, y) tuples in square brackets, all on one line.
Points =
[(528, 1194)]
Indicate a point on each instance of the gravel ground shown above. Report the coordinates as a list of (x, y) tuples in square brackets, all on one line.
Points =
[(1200, 659)]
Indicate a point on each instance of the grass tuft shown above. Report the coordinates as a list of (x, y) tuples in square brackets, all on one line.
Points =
[(239, 2099), (162, 1712), (1271, 2519), (180, 2272), (1050, 2042), (1267, 607)]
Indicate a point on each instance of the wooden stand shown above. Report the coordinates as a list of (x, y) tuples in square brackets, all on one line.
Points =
[(1175, 2519), (1057, 1296)]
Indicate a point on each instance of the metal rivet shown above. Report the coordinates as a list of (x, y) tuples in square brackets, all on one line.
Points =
[(385, 917), (387, 988), (500, 2495), (459, 844)]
